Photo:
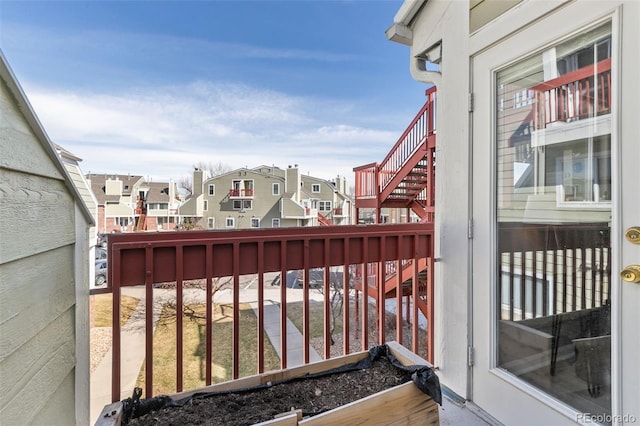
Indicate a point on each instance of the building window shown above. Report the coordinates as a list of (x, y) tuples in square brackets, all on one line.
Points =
[(324, 206), (315, 187), (231, 222), (206, 205), (275, 189), (212, 189), (210, 223), (161, 222), (158, 206), (275, 223), (255, 222), (242, 204)]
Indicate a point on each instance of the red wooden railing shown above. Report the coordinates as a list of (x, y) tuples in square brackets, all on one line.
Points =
[(241, 192), (367, 183), (422, 126), (579, 94), (148, 258)]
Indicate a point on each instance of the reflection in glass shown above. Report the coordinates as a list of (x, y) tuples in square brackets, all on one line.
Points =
[(553, 138)]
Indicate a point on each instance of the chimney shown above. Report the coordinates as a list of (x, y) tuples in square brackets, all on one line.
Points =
[(292, 181), (198, 182)]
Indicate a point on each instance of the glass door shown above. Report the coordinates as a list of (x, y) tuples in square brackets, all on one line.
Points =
[(553, 219), (551, 169)]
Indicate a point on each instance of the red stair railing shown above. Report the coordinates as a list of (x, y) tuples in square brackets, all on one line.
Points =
[(422, 126)]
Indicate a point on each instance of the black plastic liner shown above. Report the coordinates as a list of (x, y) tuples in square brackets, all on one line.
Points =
[(423, 376)]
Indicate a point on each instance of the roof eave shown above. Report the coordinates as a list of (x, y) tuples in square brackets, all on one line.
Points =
[(400, 30)]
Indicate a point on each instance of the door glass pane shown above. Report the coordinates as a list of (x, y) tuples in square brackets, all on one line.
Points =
[(553, 127)]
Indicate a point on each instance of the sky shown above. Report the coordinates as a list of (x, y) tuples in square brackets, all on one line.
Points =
[(153, 88)]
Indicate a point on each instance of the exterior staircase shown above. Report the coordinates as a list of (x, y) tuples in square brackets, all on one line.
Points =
[(323, 220), (405, 179), (406, 176), (141, 214)]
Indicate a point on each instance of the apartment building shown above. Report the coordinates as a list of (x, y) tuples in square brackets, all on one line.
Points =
[(266, 197), (130, 202)]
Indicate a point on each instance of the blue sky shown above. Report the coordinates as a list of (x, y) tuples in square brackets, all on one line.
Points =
[(154, 87)]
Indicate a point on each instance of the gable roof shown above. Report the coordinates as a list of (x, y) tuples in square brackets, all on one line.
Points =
[(98, 182), (20, 98), (158, 192)]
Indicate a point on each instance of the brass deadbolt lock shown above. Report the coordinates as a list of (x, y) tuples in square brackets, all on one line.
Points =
[(633, 234), (631, 274)]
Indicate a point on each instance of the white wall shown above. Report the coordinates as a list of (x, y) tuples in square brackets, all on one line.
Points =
[(448, 21)]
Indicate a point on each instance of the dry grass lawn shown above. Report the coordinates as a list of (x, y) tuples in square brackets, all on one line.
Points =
[(103, 304), (164, 349)]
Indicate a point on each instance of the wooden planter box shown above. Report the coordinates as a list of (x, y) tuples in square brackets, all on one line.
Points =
[(402, 404)]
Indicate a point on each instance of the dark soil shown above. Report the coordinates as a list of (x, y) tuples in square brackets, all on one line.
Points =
[(312, 395)]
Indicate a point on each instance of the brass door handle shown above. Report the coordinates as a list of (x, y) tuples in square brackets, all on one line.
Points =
[(631, 274), (633, 234)]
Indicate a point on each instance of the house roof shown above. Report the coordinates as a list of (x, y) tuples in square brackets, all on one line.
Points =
[(40, 134), (98, 182), (158, 192)]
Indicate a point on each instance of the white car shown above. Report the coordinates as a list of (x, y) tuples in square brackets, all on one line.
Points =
[(101, 272)]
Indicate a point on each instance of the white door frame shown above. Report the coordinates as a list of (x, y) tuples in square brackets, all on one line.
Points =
[(501, 394)]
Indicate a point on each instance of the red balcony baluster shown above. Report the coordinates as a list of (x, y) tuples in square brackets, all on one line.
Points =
[(148, 258)]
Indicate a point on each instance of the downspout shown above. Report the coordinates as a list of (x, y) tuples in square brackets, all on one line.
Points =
[(420, 73), (418, 66), (401, 33)]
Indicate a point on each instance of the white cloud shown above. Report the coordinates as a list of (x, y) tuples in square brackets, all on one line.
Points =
[(162, 132)]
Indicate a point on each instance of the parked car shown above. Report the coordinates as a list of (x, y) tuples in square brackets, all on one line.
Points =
[(101, 253), (101, 272), (295, 278)]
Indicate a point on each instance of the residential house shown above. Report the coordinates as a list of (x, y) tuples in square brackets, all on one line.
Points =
[(162, 204), (130, 203), (44, 273), (537, 218), (267, 197)]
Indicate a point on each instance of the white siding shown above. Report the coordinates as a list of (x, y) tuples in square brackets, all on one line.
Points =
[(42, 217)]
